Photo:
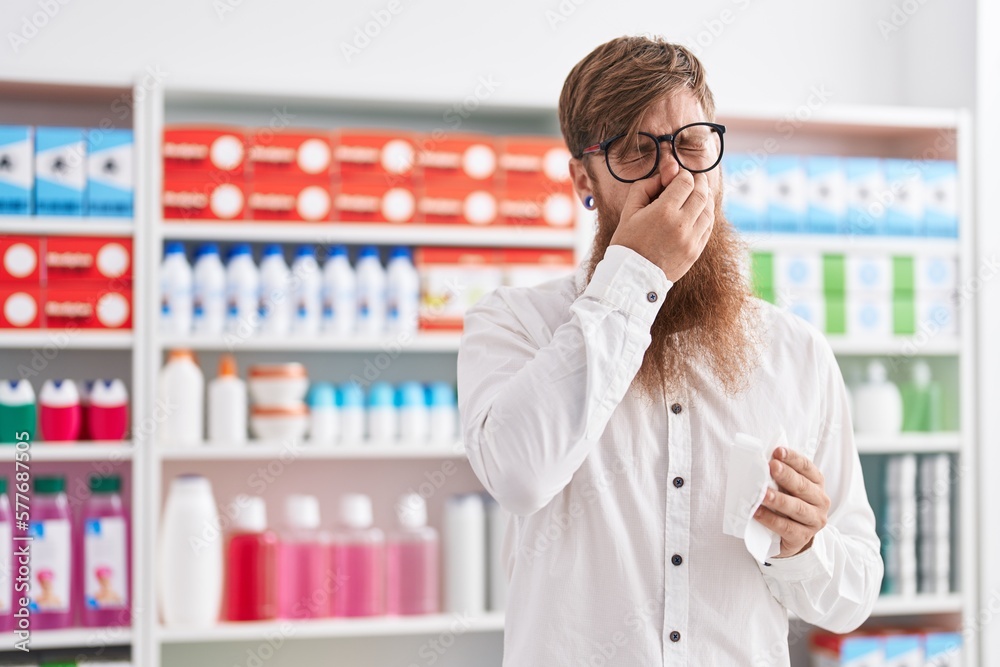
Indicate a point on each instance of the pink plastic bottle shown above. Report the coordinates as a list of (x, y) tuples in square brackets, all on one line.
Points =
[(6, 553), (50, 600), (412, 562), (251, 566), (106, 413), (103, 560), (305, 578), (59, 414), (358, 560)]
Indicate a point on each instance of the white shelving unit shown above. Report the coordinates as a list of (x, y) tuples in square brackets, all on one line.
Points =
[(77, 340), (423, 342), (97, 638), (260, 451), (56, 226), (78, 451)]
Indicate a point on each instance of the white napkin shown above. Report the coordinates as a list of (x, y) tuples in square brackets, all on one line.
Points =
[(748, 480)]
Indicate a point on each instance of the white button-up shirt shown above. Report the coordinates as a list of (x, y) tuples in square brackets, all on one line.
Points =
[(615, 554)]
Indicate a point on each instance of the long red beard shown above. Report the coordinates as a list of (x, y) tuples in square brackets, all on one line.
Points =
[(706, 318)]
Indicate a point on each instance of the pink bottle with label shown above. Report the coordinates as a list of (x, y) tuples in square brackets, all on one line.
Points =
[(50, 592), (6, 559), (106, 413), (305, 578), (358, 560), (412, 561), (59, 414), (103, 563)]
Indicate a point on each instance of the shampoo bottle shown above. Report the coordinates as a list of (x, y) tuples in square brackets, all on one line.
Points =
[(227, 405), (359, 557), (251, 565), (878, 404), (412, 561), (104, 577), (921, 400)]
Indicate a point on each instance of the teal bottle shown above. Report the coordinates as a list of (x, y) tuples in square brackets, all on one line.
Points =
[(18, 414)]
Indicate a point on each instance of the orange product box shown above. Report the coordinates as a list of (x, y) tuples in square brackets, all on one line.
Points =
[(290, 199), (20, 259), (203, 198), (544, 205), (373, 199), (385, 154), (202, 148), (525, 267), (92, 305), (299, 154), (457, 202), (452, 280), (20, 306), (458, 157), (526, 162), (70, 259)]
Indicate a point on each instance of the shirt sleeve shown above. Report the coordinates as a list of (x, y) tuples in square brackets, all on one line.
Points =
[(834, 583), (530, 413)]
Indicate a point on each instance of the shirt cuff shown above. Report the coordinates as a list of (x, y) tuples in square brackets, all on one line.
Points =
[(802, 566), (629, 282)]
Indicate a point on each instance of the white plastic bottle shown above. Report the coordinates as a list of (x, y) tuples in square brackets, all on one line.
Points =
[(307, 301), (371, 293), (190, 579), (351, 401), (242, 292), (414, 420), (209, 291), (878, 405), (383, 418), (402, 292), (176, 299), (324, 417), (465, 554), (180, 397), (443, 414), (275, 293), (227, 405), (340, 294)]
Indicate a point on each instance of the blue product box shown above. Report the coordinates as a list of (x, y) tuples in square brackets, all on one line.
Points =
[(60, 170), (943, 649), (904, 650), (827, 185), (787, 201), (744, 192), (941, 198), (17, 171), (110, 173), (905, 213), (866, 196)]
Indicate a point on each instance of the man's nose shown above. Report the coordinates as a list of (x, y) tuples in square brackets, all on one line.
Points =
[(668, 163)]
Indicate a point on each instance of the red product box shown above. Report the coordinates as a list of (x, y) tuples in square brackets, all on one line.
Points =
[(188, 148), (388, 155), (527, 162), (292, 200), (20, 307), (193, 198), (452, 280), (300, 154), (361, 199), (459, 157), (543, 205), (457, 202), (88, 306), (525, 267), (20, 259), (101, 260)]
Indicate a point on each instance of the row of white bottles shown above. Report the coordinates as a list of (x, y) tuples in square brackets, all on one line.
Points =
[(242, 300)]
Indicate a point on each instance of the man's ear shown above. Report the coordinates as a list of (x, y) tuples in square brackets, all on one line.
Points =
[(582, 182)]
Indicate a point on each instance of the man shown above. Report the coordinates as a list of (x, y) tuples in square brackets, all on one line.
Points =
[(600, 409)]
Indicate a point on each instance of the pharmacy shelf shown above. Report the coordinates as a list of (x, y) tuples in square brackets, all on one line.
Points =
[(909, 443), (850, 243), (72, 451), (897, 346), (421, 342), (336, 628), (66, 226), (377, 234), (269, 450), (71, 638), (63, 339)]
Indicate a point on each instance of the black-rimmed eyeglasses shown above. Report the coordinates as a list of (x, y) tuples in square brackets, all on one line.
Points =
[(632, 157)]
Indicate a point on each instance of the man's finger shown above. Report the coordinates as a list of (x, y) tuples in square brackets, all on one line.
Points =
[(640, 195), (796, 484), (677, 191), (787, 529), (799, 462), (793, 508), (698, 199)]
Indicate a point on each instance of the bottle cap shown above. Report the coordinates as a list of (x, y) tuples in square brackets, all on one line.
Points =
[(16, 392), (368, 251), (356, 510), (302, 511), (251, 516), (239, 249), (411, 395), (338, 250), (877, 373), (227, 366), (305, 251), (350, 396), (921, 373), (440, 394), (107, 393), (59, 393), (207, 249), (109, 484), (411, 511), (400, 251), (173, 248), (180, 353), (49, 485), (322, 395), (273, 249), (190, 483), (381, 395)]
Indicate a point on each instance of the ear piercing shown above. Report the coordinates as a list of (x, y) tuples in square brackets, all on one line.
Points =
[(588, 203)]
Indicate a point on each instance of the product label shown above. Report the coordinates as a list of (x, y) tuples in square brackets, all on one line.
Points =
[(49, 587), (5, 538), (105, 556)]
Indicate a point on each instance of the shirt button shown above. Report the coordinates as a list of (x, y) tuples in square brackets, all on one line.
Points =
[(676, 559), (675, 636), (678, 482), (651, 297), (676, 408)]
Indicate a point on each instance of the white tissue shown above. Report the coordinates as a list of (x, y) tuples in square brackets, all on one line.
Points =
[(748, 480)]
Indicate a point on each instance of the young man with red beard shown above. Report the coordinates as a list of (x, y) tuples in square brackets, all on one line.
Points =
[(600, 409)]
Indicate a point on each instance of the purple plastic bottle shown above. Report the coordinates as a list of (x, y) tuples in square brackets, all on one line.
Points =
[(103, 557), (6, 557), (50, 589)]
